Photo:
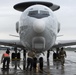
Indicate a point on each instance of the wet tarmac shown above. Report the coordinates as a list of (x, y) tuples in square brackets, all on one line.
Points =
[(49, 68)]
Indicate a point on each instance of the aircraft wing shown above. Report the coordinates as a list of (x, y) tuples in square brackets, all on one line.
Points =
[(62, 43), (11, 43)]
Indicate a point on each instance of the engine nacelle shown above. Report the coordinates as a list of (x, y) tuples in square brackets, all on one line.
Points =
[(58, 27), (17, 27)]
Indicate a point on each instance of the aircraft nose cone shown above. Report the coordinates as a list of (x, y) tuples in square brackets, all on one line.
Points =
[(39, 26)]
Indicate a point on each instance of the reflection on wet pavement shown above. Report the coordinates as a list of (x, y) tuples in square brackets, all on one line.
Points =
[(50, 67)]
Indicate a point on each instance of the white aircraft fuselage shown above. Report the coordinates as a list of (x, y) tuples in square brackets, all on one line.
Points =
[(38, 28)]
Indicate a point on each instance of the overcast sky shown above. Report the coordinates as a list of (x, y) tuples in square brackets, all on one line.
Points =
[(66, 15)]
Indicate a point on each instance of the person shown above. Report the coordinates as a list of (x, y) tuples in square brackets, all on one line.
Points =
[(54, 56), (57, 54), (48, 54), (56, 59), (34, 63), (41, 63), (62, 54), (6, 59), (31, 55)]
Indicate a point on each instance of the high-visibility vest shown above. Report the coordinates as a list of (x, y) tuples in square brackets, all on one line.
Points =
[(5, 55)]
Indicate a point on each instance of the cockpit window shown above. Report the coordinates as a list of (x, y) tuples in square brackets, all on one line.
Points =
[(38, 14), (44, 12), (33, 12)]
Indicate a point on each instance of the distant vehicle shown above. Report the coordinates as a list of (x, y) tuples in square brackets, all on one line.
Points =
[(4, 48)]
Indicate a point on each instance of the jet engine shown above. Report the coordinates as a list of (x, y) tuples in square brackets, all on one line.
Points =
[(58, 27), (17, 27)]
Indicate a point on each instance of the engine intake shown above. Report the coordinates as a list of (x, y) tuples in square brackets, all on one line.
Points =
[(17, 27)]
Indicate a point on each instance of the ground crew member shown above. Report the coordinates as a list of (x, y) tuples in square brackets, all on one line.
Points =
[(41, 63), (34, 63), (62, 56), (48, 54), (6, 59), (57, 54), (31, 55), (54, 56)]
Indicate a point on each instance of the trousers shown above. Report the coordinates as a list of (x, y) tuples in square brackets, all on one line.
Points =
[(6, 62)]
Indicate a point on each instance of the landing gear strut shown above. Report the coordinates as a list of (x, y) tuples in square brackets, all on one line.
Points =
[(24, 59), (15, 49)]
